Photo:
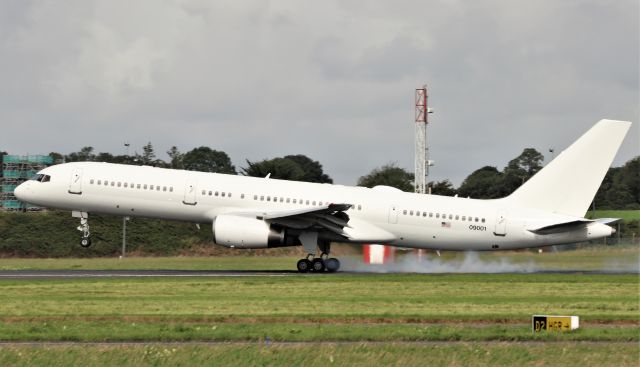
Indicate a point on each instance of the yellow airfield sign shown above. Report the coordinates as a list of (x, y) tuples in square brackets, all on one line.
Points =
[(554, 323)]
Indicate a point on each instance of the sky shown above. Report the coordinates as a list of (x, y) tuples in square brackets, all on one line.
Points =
[(333, 80)]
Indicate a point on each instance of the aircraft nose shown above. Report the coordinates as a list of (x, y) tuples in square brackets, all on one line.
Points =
[(22, 191)]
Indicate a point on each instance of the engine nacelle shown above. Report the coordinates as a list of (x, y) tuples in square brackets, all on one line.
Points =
[(247, 232)]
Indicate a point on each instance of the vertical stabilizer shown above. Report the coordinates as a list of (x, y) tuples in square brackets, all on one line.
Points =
[(569, 183)]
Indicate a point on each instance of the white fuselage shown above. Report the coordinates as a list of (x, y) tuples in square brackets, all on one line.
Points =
[(414, 220)]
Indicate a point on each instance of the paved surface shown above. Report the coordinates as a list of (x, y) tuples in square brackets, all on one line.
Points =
[(54, 274)]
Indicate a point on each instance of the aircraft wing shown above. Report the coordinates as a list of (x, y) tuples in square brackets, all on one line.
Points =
[(331, 217)]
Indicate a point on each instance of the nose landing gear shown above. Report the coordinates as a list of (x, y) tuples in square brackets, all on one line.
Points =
[(85, 241)]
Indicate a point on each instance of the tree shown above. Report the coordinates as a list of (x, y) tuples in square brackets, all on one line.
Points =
[(291, 167), (57, 157), (312, 169), (389, 175), (520, 169), (205, 159), (176, 158), (444, 188), (483, 183), (279, 168), (148, 155), (85, 154), (630, 177)]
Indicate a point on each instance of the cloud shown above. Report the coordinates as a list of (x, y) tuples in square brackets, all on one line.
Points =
[(333, 80)]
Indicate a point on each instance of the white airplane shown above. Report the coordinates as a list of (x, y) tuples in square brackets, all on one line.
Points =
[(249, 212)]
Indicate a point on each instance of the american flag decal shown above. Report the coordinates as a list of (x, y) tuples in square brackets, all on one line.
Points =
[(446, 224)]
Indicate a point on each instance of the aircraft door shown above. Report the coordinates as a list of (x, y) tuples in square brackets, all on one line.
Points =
[(75, 185), (501, 223), (190, 193), (393, 214)]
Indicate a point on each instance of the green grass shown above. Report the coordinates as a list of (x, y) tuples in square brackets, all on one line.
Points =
[(420, 297), (471, 354), (80, 330), (625, 215)]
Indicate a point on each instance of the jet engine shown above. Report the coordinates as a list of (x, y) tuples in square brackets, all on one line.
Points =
[(247, 233)]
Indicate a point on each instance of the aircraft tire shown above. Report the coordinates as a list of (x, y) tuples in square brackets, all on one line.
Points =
[(303, 266), (85, 242), (332, 265), (317, 265)]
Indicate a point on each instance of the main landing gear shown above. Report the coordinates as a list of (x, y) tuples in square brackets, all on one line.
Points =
[(314, 264), (318, 264), (85, 241)]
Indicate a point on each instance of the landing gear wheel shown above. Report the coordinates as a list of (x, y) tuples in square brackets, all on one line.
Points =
[(317, 265), (85, 242), (304, 266), (332, 265)]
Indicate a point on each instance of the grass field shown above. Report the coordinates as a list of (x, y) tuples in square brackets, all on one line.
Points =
[(622, 214), (411, 319)]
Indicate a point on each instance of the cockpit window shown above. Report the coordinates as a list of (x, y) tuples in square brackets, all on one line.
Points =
[(42, 178)]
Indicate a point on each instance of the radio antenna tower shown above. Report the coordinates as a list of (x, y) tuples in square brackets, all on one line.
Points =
[(422, 161)]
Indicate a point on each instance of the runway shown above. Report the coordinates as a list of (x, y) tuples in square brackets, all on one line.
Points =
[(79, 274)]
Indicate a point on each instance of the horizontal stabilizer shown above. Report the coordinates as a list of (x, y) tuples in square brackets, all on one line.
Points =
[(560, 227), (607, 220)]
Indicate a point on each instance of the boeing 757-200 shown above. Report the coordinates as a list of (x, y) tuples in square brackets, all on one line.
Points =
[(250, 212)]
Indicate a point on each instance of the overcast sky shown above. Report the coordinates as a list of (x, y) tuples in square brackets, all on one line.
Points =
[(333, 80)]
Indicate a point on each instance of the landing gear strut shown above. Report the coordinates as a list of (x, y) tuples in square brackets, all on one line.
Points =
[(85, 241), (317, 264)]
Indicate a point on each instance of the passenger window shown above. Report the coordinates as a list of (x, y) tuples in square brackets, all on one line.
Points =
[(145, 186), (404, 212), (157, 188), (241, 196), (482, 220), (262, 198), (204, 192), (411, 212), (457, 217), (106, 183), (359, 207), (119, 184), (418, 213), (150, 187), (126, 184), (113, 183), (281, 199), (255, 197), (476, 219), (437, 215), (91, 181), (132, 186), (138, 186), (229, 195), (223, 194), (288, 200), (450, 216), (424, 214), (430, 215), (170, 189), (464, 218), (268, 198), (164, 188), (99, 182)]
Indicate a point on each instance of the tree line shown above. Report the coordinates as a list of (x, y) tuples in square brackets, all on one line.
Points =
[(620, 189)]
